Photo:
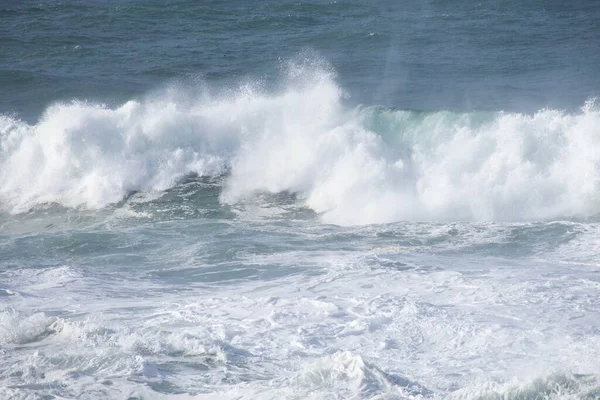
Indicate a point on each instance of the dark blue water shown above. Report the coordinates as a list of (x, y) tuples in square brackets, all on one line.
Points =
[(431, 55)]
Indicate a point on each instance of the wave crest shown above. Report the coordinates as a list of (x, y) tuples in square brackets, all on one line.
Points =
[(352, 166)]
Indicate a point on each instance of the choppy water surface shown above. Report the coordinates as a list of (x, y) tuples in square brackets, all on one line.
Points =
[(297, 200)]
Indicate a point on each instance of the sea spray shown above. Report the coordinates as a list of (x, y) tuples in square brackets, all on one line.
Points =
[(350, 165)]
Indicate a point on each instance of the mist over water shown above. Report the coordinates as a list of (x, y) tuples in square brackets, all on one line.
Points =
[(319, 200)]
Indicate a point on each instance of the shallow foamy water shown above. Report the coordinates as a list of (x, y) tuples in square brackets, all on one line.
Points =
[(254, 303)]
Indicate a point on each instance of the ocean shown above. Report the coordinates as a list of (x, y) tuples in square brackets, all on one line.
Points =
[(299, 199)]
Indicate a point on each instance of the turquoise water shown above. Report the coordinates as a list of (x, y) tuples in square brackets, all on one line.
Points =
[(292, 200)]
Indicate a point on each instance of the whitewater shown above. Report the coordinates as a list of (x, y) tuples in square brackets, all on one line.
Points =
[(349, 165), (278, 242)]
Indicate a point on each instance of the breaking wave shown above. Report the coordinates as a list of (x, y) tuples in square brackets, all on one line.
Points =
[(350, 165)]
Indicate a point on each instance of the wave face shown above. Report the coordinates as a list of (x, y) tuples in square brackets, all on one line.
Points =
[(350, 165)]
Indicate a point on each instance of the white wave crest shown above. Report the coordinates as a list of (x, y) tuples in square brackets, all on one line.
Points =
[(352, 166)]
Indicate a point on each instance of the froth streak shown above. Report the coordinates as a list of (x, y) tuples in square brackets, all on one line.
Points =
[(352, 166)]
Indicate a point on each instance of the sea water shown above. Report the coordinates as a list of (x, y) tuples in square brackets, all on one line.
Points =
[(299, 200)]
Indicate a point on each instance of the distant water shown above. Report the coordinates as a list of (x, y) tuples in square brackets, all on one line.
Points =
[(299, 200)]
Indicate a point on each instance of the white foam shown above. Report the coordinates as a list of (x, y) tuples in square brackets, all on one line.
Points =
[(16, 330), (355, 330), (351, 166), (81, 154), (557, 386), (514, 167)]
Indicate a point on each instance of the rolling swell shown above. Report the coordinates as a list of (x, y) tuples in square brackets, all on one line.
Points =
[(350, 165)]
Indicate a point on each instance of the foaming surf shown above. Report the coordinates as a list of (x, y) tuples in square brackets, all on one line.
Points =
[(349, 165)]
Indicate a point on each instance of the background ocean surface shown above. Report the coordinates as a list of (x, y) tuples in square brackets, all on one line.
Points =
[(299, 200)]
